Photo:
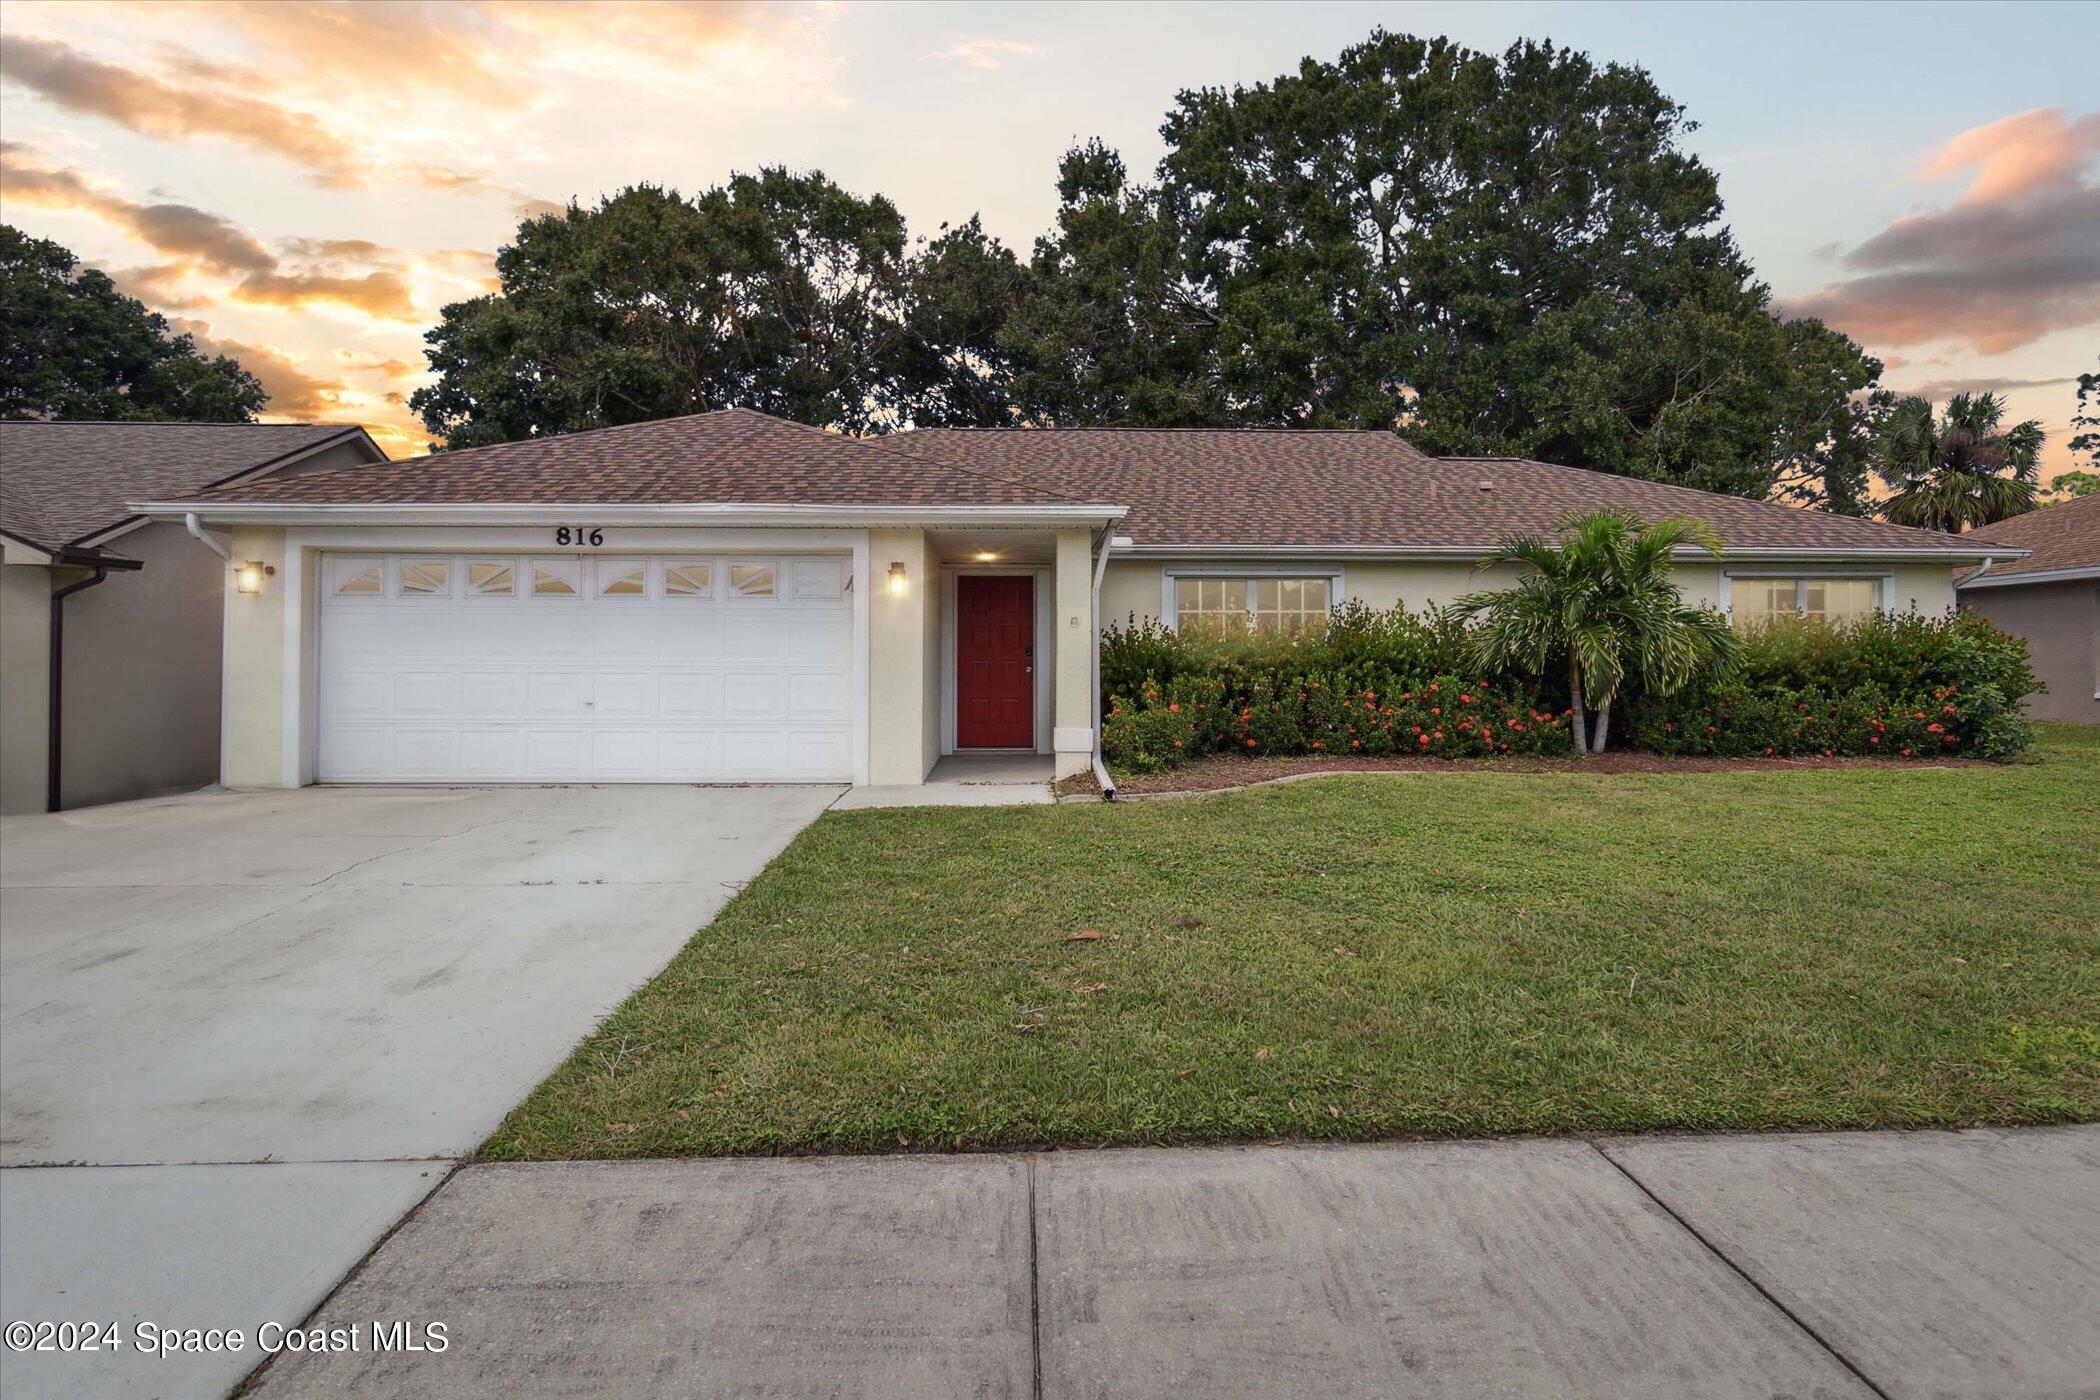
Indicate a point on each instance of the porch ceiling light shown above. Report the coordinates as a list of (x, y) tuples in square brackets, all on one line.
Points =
[(897, 579), (986, 556), (248, 578)]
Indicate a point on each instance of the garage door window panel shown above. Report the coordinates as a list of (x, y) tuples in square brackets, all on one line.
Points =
[(424, 578), (492, 578), (687, 578), (557, 578), (751, 581)]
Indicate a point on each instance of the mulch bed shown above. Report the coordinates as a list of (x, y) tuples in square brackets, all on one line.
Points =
[(1228, 771)]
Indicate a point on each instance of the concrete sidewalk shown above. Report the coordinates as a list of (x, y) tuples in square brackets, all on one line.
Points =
[(1853, 1265)]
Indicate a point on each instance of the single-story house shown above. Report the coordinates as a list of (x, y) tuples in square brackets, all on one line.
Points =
[(109, 622), (2051, 596), (729, 597)]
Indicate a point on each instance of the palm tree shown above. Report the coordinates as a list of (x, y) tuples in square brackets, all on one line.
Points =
[(1961, 469), (1602, 598)]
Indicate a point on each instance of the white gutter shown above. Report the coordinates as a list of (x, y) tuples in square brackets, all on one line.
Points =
[(1107, 784), (2005, 580), (189, 521), (629, 514), (1471, 553)]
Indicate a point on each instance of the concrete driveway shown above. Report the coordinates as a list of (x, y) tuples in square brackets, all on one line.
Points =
[(241, 1034)]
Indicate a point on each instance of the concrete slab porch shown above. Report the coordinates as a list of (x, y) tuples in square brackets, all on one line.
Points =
[(966, 780)]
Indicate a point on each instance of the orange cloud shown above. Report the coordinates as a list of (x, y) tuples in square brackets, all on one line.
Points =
[(77, 82), (201, 241), (293, 393), (2016, 154), (178, 230), (2012, 260), (382, 294)]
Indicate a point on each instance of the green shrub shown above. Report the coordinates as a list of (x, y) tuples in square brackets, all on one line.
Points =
[(1901, 687), (1374, 682)]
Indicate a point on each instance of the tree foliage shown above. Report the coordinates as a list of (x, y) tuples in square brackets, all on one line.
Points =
[(73, 346), (1503, 254), (2085, 427), (1602, 603), (1961, 469)]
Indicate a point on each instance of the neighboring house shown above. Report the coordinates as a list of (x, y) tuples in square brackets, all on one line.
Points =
[(2051, 597), (729, 597), (132, 608)]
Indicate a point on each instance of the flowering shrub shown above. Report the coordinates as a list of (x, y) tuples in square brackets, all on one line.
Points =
[(1896, 687), (1375, 683)]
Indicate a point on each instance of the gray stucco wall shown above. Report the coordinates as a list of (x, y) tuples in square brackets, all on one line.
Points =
[(2061, 622), (142, 672), (25, 679)]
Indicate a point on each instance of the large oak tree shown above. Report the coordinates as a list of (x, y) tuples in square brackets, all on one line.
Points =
[(1504, 255)]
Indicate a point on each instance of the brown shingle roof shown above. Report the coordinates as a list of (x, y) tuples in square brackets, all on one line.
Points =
[(732, 455), (2065, 536), (62, 482), (1280, 486)]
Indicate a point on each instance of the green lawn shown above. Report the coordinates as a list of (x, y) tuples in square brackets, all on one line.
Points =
[(1350, 957)]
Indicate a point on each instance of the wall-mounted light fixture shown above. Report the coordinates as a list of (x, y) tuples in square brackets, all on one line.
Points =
[(248, 578), (897, 579), (986, 556)]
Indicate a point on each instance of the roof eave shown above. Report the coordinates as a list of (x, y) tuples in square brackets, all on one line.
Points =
[(2009, 580), (1747, 554), (630, 514)]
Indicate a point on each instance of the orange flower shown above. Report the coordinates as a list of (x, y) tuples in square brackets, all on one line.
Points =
[(1175, 708), (1934, 729)]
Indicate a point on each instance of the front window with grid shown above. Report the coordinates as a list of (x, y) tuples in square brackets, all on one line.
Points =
[(1759, 600), (1251, 604)]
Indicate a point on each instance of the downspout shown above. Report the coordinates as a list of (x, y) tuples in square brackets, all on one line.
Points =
[(56, 721), (1101, 778), (189, 522)]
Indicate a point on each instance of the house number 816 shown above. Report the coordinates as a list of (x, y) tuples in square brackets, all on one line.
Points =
[(579, 535)]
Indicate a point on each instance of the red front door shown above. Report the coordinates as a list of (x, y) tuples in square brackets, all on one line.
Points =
[(994, 661)]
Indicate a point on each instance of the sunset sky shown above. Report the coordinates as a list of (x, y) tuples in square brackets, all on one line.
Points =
[(304, 186)]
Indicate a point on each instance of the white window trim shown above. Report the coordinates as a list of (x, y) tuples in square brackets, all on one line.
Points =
[(1170, 613), (1045, 648), (1884, 580)]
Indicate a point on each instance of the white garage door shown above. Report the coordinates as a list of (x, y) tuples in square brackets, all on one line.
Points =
[(558, 668)]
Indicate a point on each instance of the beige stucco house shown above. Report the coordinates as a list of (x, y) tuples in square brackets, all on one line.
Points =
[(729, 597), (2050, 596), (130, 609)]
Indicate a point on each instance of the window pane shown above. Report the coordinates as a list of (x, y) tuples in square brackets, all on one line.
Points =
[(634, 583), (492, 580), (1755, 600), (554, 580), (430, 577), (751, 580), (1289, 604), (1212, 604), (685, 580), (1840, 599)]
